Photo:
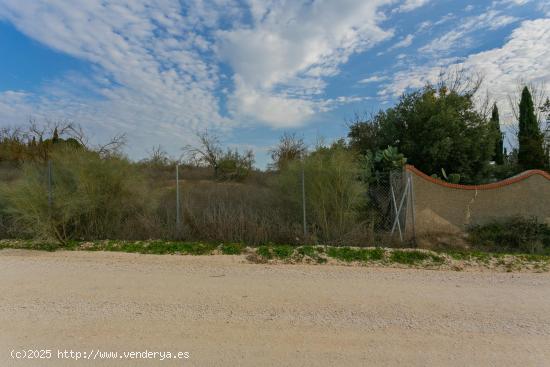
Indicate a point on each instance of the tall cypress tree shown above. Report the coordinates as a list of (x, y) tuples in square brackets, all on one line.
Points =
[(55, 138), (499, 142), (531, 151), (545, 109)]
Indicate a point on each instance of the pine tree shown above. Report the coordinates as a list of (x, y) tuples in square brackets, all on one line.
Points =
[(499, 143), (531, 151)]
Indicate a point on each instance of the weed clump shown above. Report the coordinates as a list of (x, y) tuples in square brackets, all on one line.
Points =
[(265, 252), (283, 252), (232, 248), (414, 257), (348, 254), (307, 251), (159, 247), (515, 234)]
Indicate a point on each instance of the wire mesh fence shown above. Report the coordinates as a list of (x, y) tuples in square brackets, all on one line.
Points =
[(87, 203), (390, 210)]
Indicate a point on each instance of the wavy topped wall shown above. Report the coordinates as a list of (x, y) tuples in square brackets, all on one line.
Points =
[(440, 206)]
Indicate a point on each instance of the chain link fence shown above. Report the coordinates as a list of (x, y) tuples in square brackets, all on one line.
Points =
[(81, 205), (389, 207)]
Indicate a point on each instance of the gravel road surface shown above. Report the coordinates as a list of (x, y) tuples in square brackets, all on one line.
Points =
[(226, 312)]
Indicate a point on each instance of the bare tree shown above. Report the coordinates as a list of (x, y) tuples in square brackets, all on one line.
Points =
[(459, 80), (112, 147), (227, 165), (290, 148), (157, 156), (485, 104), (207, 153), (65, 128)]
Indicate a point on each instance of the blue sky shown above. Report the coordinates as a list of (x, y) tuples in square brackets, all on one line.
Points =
[(249, 69)]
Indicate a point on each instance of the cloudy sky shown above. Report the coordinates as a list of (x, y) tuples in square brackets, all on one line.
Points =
[(160, 70)]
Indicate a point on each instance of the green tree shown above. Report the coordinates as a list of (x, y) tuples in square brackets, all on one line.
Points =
[(55, 137), (531, 150), (498, 157), (545, 109), (435, 129)]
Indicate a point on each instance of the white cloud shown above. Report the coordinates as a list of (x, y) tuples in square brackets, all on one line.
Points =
[(404, 42), (148, 69), (544, 6), (282, 59), (156, 64), (497, 3), (409, 5), (373, 79), (163, 68), (461, 36), (525, 58)]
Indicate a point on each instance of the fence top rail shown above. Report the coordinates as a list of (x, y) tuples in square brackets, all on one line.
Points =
[(494, 185)]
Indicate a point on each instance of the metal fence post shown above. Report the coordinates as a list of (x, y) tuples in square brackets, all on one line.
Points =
[(177, 198), (50, 193), (413, 214), (304, 201)]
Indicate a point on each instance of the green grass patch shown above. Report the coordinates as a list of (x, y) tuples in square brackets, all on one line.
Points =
[(414, 257), (268, 252), (479, 256), (283, 252), (265, 252), (348, 254), (307, 251), (232, 248), (159, 247), (194, 248)]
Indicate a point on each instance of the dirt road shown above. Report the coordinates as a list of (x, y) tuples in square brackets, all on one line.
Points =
[(225, 312)]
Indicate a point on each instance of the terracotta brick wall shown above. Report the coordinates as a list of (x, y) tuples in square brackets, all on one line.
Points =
[(443, 207)]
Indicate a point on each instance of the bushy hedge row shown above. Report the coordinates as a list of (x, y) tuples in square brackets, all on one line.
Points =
[(515, 234)]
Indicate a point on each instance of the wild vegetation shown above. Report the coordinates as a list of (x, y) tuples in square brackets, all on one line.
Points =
[(56, 187), (516, 234)]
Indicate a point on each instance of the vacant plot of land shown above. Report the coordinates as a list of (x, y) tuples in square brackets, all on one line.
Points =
[(225, 312)]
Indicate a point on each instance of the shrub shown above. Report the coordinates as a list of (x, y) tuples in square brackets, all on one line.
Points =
[(307, 251), (265, 252), (92, 198), (334, 195), (234, 166), (232, 248), (514, 234), (283, 251)]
